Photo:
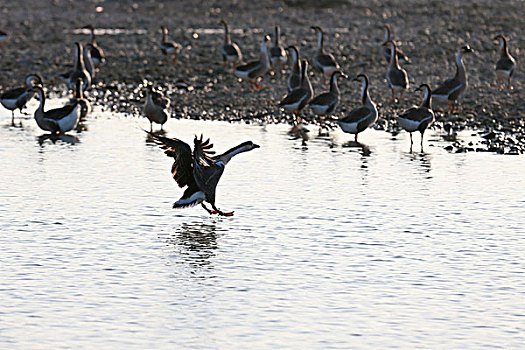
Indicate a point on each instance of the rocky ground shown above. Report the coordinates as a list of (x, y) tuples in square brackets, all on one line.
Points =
[(42, 33)]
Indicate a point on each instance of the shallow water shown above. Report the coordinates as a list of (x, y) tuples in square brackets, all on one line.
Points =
[(331, 247)]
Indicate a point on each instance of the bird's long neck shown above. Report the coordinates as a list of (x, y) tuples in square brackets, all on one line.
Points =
[(387, 34), (333, 84), (79, 58), (42, 99), (277, 34), (393, 57), (296, 64), (88, 62), (504, 50), (305, 80), (365, 98), (229, 154), (227, 39), (93, 36), (264, 54), (164, 35), (460, 67), (78, 90), (427, 99), (320, 41)]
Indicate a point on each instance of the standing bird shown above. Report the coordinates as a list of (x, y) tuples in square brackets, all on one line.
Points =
[(155, 107), (299, 97), (396, 76), (17, 98), (200, 171), (58, 120), (325, 104), (97, 54), (418, 118), (385, 51), (255, 69), (324, 61), (169, 48), (230, 51), (79, 71), (294, 79), (451, 90), (506, 63), (81, 100), (3, 38), (277, 52), (362, 117)]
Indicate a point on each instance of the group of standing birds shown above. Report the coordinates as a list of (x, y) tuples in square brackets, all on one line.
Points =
[(87, 58), (200, 170), (300, 93)]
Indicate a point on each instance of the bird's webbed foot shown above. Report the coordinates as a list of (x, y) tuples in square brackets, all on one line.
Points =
[(222, 213), (211, 212)]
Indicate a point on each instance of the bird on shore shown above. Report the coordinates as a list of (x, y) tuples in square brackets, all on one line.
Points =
[(418, 118), (451, 90), (96, 52), (396, 76), (3, 38), (155, 107), (17, 98), (57, 120), (294, 79), (362, 117), (325, 103), (81, 100), (79, 71), (385, 51), (324, 61), (255, 69), (200, 171), (230, 51), (278, 55), (169, 48), (299, 97), (506, 63)]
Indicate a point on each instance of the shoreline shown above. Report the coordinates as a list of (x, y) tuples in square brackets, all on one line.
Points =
[(199, 88)]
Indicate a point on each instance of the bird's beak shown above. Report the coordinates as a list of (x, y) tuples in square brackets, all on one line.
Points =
[(418, 89), (256, 146), (355, 78), (344, 75)]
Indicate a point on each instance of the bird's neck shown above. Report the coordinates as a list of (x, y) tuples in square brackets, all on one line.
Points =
[(320, 41), (277, 34), (42, 99), (296, 66), (79, 59), (504, 50), (333, 84), (365, 97), (227, 39), (164, 36), (387, 34), (393, 57), (427, 99), (93, 37), (229, 154), (264, 54), (79, 94), (460, 67)]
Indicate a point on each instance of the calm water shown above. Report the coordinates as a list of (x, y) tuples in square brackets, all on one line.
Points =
[(330, 247)]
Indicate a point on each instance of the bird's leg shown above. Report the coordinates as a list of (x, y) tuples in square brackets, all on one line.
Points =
[(220, 212), (422, 133), (150, 126), (393, 96), (252, 85), (13, 117), (211, 212), (233, 65), (355, 138), (508, 83), (174, 61), (451, 105), (411, 142), (400, 95)]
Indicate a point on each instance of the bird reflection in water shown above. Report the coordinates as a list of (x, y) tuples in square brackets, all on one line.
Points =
[(196, 243), (423, 159), (150, 140), (70, 139)]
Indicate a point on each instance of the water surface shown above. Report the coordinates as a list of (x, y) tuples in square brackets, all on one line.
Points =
[(331, 247)]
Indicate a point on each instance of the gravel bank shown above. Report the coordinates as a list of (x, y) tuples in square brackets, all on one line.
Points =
[(42, 33)]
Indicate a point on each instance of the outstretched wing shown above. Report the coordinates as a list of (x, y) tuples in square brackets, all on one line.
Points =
[(207, 171), (182, 169)]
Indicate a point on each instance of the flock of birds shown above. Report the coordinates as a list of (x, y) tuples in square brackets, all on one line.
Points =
[(200, 170)]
